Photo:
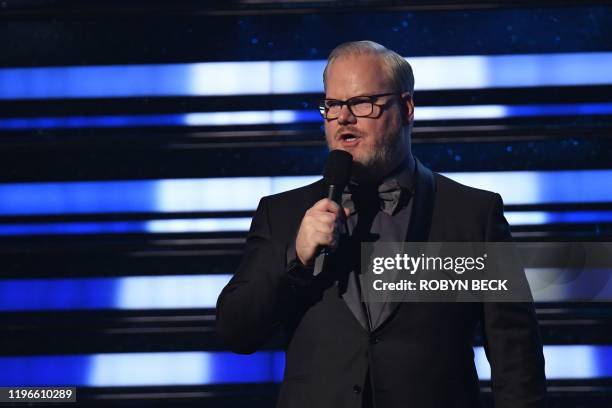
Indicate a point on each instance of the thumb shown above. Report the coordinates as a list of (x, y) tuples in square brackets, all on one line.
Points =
[(346, 211)]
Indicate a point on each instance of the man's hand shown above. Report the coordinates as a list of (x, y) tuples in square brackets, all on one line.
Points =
[(319, 228)]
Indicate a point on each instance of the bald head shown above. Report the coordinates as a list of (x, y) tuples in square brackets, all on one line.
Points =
[(394, 65)]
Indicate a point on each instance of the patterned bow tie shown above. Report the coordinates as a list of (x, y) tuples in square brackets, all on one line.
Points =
[(390, 195)]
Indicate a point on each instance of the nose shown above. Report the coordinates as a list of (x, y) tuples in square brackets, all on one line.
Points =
[(346, 116)]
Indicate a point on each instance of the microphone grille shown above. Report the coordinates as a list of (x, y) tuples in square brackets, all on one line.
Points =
[(338, 168)]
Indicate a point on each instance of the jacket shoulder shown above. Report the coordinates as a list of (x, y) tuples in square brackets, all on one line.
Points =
[(448, 187), (300, 194), (284, 211), (464, 213)]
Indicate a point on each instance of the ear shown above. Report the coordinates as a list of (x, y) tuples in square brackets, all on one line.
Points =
[(407, 108)]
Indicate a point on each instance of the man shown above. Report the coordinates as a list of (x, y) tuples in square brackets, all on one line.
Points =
[(340, 351)]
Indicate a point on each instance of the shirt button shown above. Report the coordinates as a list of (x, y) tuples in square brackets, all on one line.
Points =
[(374, 340), (356, 389)]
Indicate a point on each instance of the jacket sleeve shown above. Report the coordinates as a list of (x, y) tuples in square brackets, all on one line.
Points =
[(511, 338), (260, 293)]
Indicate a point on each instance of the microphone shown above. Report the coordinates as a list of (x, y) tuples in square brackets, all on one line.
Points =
[(336, 176), (337, 173)]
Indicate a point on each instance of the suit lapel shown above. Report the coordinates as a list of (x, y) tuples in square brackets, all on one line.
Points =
[(422, 210), (352, 298)]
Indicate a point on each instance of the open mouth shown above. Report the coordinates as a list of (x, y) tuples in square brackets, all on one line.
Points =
[(348, 138)]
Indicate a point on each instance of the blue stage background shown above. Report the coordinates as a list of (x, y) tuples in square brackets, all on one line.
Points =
[(136, 141)]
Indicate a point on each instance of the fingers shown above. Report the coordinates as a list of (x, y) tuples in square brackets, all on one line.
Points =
[(329, 206), (320, 227), (327, 240), (326, 205)]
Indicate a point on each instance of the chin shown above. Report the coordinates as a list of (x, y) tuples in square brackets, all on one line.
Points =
[(365, 160)]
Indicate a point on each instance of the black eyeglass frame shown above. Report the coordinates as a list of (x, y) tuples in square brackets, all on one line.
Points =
[(323, 108)]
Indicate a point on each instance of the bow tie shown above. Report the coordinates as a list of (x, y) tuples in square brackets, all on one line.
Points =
[(388, 195)]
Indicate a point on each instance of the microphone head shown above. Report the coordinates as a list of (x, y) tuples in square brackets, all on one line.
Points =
[(338, 168)]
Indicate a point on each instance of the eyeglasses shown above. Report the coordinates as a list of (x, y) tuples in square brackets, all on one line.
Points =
[(359, 106)]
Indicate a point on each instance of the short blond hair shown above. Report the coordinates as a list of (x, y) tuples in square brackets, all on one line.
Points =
[(398, 68)]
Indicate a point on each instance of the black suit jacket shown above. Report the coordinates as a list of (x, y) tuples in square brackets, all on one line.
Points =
[(422, 355)]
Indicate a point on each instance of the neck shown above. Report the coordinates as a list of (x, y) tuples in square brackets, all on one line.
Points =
[(376, 174)]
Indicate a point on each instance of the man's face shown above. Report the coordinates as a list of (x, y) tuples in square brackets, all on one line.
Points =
[(377, 143)]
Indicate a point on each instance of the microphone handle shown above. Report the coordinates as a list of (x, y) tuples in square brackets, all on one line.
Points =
[(335, 194)]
